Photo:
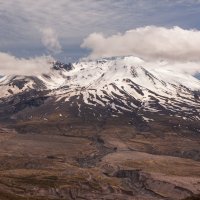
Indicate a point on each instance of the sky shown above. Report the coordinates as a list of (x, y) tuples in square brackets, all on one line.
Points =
[(72, 29)]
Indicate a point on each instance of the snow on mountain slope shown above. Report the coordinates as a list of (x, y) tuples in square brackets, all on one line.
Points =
[(97, 73), (11, 85), (118, 85)]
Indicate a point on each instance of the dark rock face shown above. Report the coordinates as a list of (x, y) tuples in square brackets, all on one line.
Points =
[(19, 83), (132, 174), (33, 102), (20, 102), (58, 66), (197, 95)]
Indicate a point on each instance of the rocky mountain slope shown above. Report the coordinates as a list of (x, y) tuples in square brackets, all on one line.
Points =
[(107, 88), (105, 129)]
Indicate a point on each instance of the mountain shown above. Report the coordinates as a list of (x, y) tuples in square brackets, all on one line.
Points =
[(103, 129), (103, 89)]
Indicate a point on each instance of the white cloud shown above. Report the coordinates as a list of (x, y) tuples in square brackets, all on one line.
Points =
[(173, 48), (10, 65), (75, 19), (189, 67), (50, 40), (150, 43)]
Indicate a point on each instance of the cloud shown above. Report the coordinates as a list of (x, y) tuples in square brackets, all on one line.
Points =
[(50, 40), (10, 65), (74, 20), (174, 48), (188, 67), (149, 43)]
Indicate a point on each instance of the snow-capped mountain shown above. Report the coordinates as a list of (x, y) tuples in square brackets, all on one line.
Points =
[(103, 89)]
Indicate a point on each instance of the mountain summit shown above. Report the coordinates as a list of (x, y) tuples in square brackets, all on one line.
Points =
[(109, 128), (103, 89)]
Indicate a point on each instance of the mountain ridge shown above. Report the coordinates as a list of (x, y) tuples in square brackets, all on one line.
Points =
[(115, 85), (100, 129), (103, 82)]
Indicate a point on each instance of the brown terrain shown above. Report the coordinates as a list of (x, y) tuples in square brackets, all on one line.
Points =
[(43, 160), (100, 130)]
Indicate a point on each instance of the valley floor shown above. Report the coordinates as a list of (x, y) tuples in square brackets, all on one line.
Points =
[(88, 162)]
